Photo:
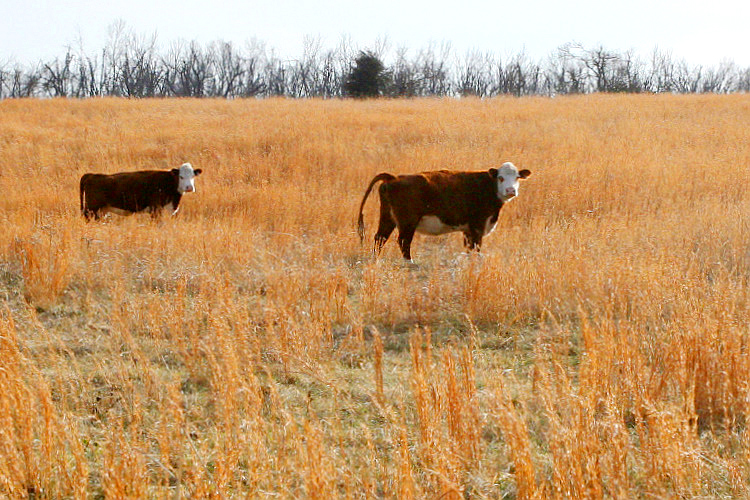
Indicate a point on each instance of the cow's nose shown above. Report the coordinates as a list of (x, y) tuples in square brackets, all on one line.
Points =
[(189, 189), (510, 192)]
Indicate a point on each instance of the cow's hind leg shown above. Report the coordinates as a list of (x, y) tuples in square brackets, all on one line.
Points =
[(385, 228), (89, 214), (405, 235), (386, 224), (86, 210)]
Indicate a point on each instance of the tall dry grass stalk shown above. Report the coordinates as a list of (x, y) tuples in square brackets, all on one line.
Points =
[(378, 365), (42, 453), (45, 265), (597, 348), (516, 434)]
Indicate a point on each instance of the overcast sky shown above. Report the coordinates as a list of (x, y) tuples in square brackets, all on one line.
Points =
[(701, 32)]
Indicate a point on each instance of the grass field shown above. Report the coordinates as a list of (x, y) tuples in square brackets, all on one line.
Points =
[(251, 347)]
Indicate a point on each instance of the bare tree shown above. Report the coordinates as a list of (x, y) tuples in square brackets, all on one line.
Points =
[(403, 78), (331, 78), (84, 84), (25, 83), (56, 76), (433, 65), (473, 78), (628, 74), (721, 79), (304, 74), (188, 71), (230, 70), (661, 77), (140, 73), (276, 76), (685, 79), (743, 80), (5, 77), (519, 76), (253, 81), (599, 61), (565, 73), (111, 57)]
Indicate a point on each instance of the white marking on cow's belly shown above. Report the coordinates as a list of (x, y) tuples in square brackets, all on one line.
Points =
[(431, 224), (119, 211)]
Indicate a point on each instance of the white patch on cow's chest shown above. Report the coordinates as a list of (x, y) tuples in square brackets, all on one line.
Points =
[(431, 224), (489, 226)]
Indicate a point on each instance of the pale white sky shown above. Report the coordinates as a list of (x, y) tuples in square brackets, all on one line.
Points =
[(701, 32)]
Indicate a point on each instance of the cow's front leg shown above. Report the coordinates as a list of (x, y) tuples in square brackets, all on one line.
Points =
[(473, 240)]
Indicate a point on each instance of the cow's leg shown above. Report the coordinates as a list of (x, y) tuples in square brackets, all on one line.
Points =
[(473, 239), (91, 211), (385, 228), (386, 224), (405, 235)]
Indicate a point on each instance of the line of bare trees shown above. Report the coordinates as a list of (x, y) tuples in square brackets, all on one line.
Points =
[(134, 66)]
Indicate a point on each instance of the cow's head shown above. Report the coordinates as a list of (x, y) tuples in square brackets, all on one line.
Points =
[(508, 178), (186, 177)]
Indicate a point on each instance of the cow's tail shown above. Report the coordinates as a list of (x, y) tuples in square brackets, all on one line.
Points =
[(361, 220), (82, 194)]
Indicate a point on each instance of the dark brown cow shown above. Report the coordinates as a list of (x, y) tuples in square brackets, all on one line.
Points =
[(441, 202), (130, 192)]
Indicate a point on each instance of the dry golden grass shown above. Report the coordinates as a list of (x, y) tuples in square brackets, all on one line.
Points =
[(251, 347)]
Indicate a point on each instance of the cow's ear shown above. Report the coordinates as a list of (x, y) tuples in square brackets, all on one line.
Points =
[(197, 171), (493, 173), (175, 171), (524, 173)]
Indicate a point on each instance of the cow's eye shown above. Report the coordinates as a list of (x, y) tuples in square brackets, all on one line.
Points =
[(500, 179)]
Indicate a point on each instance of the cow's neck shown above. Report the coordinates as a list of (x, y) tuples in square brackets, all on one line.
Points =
[(498, 205), (498, 202)]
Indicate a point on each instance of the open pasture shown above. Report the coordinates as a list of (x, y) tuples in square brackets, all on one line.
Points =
[(250, 346)]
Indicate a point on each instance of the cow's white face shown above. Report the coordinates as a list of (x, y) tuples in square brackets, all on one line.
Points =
[(186, 178), (508, 178)]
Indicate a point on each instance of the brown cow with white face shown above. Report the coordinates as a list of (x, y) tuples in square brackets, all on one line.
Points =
[(130, 192), (442, 202)]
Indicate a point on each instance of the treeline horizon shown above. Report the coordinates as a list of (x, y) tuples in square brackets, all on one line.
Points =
[(135, 66)]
